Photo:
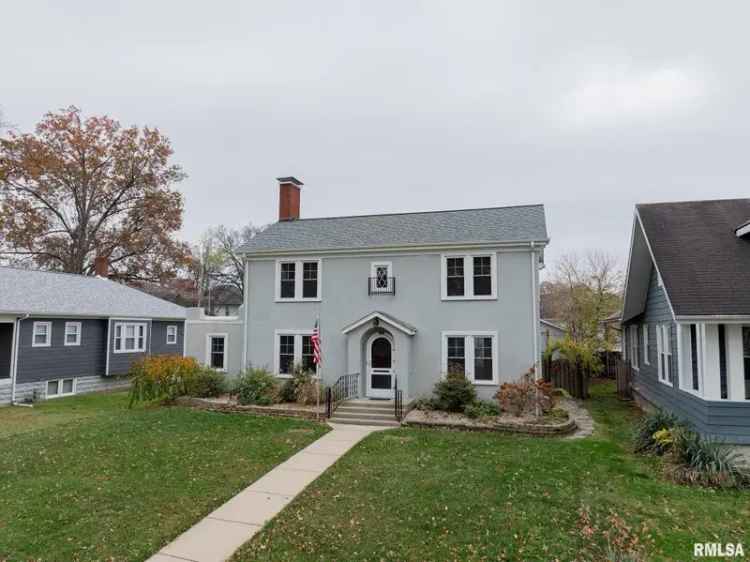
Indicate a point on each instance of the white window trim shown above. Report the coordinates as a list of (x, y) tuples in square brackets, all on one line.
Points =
[(226, 350), (297, 351), (645, 332), (172, 330), (686, 382), (298, 280), (662, 330), (124, 326), (633, 340), (469, 354), (468, 276), (48, 341), (59, 382), (78, 334)]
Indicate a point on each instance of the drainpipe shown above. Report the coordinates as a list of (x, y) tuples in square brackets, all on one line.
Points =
[(14, 357)]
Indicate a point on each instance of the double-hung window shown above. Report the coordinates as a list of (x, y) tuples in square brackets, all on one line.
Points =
[(472, 354), (294, 348), (646, 351), (664, 352), (171, 335), (634, 359), (746, 359), (216, 351), (298, 280), (130, 337), (469, 276), (72, 333), (42, 334)]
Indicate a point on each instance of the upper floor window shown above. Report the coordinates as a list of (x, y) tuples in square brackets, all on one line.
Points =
[(469, 276), (171, 335), (72, 333), (298, 280), (381, 280), (130, 337), (42, 334)]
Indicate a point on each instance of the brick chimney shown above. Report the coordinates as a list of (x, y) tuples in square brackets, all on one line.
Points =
[(101, 266), (289, 190)]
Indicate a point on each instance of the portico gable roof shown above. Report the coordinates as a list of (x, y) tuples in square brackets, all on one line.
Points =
[(400, 325)]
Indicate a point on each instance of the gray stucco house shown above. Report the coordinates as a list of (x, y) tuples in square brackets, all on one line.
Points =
[(401, 298), (63, 334), (686, 318)]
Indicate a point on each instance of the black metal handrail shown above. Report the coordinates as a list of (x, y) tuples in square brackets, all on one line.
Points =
[(347, 386), (375, 286), (398, 401)]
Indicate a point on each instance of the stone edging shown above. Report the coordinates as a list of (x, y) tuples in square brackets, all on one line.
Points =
[(527, 429), (227, 408)]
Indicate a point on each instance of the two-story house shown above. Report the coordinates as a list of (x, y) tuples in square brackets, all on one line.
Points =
[(401, 298), (686, 318)]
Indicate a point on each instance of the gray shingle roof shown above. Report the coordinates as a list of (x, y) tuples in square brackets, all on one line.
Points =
[(64, 294), (704, 266), (499, 224)]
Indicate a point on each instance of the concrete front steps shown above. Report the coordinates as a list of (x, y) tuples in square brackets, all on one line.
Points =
[(366, 412)]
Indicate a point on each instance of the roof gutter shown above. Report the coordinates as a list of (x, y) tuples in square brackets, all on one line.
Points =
[(14, 356), (519, 245)]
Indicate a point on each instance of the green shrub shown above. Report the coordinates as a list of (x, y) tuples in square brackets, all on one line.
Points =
[(161, 377), (207, 383), (288, 392), (427, 404), (558, 414), (307, 391), (482, 409), (583, 353), (696, 460), (454, 392), (257, 386), (651, 424)]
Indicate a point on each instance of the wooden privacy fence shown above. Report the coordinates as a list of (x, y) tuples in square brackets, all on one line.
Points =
[(624, 378), (573, 377), (610, 361)]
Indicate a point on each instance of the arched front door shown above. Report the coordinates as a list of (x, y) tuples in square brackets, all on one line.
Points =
[(380, 366)]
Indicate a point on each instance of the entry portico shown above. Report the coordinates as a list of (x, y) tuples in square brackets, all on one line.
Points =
[(379, 348)]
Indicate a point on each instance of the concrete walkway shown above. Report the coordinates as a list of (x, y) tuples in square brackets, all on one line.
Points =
[(216, 537)]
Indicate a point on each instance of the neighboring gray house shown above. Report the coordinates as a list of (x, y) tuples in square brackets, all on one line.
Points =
[(223, 300), (63, 334), (550, 332), (401, 298), (686, 318)]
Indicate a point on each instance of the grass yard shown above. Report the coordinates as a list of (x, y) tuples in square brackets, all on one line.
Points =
[(435, 495), (85, 478)]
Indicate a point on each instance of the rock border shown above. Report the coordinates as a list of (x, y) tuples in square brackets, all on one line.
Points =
[(234, 408)]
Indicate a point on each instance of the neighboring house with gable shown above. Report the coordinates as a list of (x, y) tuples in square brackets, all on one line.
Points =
[(686, 317), (401, 298), (63, 334)]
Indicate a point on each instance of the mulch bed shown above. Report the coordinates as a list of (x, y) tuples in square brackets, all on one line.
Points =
[(230, 405), (528, 425)]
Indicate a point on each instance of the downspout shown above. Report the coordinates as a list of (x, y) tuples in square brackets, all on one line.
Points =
[(245, 312), (535, 310), (14, 356)]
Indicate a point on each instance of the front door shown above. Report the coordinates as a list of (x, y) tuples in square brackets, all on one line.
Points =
[(380, 367)]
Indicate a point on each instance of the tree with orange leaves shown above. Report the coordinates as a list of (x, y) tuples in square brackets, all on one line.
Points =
[(81, 187)]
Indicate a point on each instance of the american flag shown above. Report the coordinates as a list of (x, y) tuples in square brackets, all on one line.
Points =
[(316, 343)]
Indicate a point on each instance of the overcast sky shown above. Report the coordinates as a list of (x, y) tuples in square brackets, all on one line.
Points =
[(587, 107)]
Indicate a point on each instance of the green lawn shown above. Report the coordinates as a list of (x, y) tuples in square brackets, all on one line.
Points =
[(435, 495), (84, 478)]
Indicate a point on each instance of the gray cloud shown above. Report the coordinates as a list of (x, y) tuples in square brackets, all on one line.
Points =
[(588, 107)]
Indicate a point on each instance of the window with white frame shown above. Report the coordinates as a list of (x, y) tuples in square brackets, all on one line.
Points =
[(216, 351), (646, 351), (664, 352), (381, 277), (469, 276), (634, 343), (695, 361), (61, 387), (41, 334), (72, 333), (171, 335), (293, 347), (473, 354), (298, 280), (130, 337)]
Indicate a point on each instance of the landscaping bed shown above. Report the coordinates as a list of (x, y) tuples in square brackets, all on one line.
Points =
[(530, 425), (231, 405)]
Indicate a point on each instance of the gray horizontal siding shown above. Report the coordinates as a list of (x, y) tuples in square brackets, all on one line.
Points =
[(59, 360), (159, 345), (722, 420)]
